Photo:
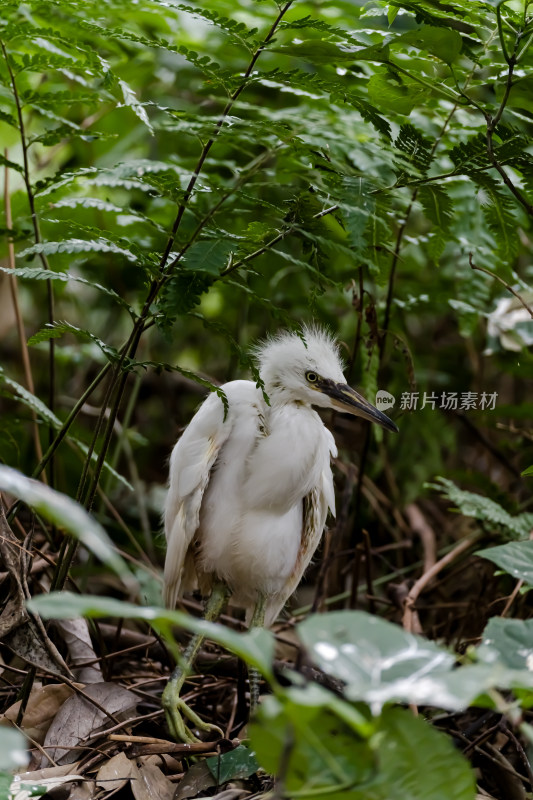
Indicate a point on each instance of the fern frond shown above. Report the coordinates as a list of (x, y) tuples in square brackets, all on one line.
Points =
[(58, 329), (415, 148), (499, 211), (77, 246), (41, 274), (209, 255), (471, 154), (484, 509), (437, 206)]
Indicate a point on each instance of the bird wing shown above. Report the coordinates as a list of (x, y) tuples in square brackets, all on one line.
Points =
[(191, 462), (315, 510)]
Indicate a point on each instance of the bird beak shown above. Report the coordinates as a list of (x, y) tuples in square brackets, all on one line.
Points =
[(346, 399)]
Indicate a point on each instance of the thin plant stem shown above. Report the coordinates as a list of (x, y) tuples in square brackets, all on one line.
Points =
[(62, 432), (13, 285), (37, 237), (504, 283)]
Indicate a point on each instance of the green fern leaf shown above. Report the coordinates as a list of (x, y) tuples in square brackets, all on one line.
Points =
[(43, 412), (62, 133), (31, 401), (209, 255), (181, 294), (338, 92), (58, 329), (103, 205), (40, 274), (5, 162), (130, 99), (471, 154), (415, 148), (8, 118), (437, 206), (238, 32), (77, 246), (358, 205), (499, 211), (484, 509)]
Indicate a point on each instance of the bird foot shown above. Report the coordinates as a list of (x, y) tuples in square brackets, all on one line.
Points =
[(176, 711)]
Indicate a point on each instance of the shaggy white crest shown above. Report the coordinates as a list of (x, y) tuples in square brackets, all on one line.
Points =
[(285, 359)]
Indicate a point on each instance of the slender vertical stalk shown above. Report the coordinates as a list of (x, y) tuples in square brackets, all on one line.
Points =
[(13, 285), (37, 236)]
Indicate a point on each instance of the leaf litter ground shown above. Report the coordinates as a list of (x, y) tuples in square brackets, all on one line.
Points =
[(93, 718)]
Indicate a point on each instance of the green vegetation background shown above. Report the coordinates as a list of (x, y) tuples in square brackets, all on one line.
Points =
[(180, 180)]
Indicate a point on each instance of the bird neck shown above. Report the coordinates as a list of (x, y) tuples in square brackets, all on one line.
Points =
[(280, 396)]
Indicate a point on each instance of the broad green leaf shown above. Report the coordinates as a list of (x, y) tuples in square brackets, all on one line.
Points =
[(236, 764), (416, 761), (390, 92), (6, 781), (375, 659), (528, 471), (256, 647), (317, 755), (441, 42), (380, 663), (65, 513), (516, 558), (319, 51), (510, 641), (324, 753)]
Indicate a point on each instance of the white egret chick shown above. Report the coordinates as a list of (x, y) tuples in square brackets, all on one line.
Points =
[(249, 494)]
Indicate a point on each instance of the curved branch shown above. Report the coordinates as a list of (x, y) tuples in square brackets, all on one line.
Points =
[(410, 617), (504, 283)]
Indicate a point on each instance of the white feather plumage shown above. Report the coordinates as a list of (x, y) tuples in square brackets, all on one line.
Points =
[(249, 495)]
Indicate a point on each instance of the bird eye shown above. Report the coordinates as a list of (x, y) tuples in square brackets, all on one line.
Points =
[(312, 377)]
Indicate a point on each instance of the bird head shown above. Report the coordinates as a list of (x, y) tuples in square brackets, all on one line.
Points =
[(308, 370)]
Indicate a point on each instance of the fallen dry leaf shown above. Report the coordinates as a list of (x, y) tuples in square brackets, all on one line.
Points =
[(28, 642), (149, 783), (83, 791), (198, 778), (75, 633), (14, 614), (43, 705), (78, 718), (115, 773)]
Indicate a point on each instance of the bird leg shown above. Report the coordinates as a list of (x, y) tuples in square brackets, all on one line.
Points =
[(254, 678), (175, 708)]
